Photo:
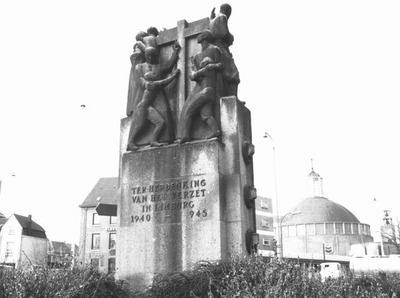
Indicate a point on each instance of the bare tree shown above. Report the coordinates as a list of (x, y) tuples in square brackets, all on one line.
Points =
[(391, 235)]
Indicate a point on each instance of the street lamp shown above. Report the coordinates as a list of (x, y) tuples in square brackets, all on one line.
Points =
[(3, 175), (279, 232), (280, 236), (378, 233)]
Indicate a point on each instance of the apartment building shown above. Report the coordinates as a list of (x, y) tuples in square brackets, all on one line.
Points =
[(265, 226), (98, 233)]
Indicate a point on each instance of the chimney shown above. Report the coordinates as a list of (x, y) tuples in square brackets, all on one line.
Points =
[(29, 224)]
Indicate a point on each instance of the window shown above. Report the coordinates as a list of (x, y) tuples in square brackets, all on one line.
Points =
[(319, 229), (112, 240), (368, 229), (11, 230), (264, 204), (355, 229), (329, 228), (310, 229), (9, 249), (111, 265), (339, 228), (266, 242), (347, 228), (285, 231), (96, 219), (264, 223), (301, 230), (95, 241), (113, 219), (292, 231), (364, 229)]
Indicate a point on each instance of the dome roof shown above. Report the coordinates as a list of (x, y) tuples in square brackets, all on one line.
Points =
[(319, 210)]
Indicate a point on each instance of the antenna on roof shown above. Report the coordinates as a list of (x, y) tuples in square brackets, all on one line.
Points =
[(312, 165)]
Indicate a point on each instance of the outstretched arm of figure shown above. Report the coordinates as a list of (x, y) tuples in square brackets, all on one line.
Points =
[(213, 66), (141, 46), (212, 15), (197, 75), (166, 81), (148, 85), (167, 66)]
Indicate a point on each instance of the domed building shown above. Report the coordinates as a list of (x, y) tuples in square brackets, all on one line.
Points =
[(320, 229)]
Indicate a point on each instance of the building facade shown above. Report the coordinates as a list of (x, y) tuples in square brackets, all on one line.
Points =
[(22, 242), (98, 233), (60, 254), (265, 227)]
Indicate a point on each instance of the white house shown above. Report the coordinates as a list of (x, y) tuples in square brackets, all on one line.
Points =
[(22, 242)]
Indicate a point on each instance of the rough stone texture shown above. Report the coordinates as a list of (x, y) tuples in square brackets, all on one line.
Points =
[(184, 203), (170, 212), (236, 128)]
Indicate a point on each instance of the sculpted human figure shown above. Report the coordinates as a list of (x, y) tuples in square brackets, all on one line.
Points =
[(150, 84), (224, 39), (151, 39), (144, 110), (143, 40), (201, 99), (136, 58)]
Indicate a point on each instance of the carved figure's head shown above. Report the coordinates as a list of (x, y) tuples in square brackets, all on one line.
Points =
[(150, 76), (226, 9), (205, 35), (151, 55), (140, 35), (206, 61), (153, 31)]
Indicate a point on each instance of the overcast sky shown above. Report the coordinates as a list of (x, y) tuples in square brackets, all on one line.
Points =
[(321, 77)]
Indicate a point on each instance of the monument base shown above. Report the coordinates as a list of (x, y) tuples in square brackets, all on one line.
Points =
[(181, 204)]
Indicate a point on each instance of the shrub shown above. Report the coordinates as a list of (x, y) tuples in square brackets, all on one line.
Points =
[(43, 282), (256, 277), (233, 278)]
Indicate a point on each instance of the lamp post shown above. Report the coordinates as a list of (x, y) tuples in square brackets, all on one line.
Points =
[(3, 191), (378, 233), (279, 232), (3, 175), (280, 236)]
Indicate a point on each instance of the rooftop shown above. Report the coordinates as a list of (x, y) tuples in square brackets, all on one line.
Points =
[(29, 227), (105, 191), (319, 210)]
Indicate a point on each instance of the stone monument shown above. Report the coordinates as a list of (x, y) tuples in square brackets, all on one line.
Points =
[(186, 173)]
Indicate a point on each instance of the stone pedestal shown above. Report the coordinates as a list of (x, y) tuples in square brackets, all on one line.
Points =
[(184, 203)]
